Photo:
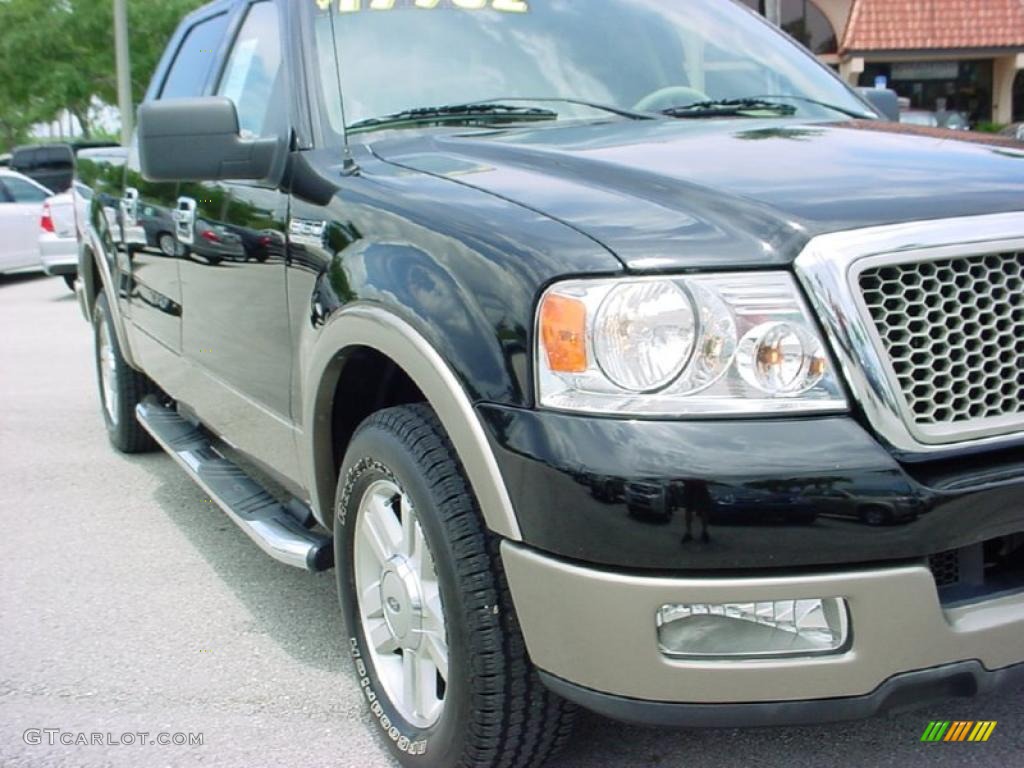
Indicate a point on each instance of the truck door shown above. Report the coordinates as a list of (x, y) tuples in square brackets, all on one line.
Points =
[(147, 253), (235, 312)]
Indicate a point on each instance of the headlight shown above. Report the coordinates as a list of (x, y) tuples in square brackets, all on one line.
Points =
[(644, 334), (741, 343)]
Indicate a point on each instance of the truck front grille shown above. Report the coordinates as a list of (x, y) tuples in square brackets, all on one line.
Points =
[(980, 571), (945, 567), (953, 330)]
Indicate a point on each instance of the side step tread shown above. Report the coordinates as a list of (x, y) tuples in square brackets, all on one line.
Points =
[(273, 526)]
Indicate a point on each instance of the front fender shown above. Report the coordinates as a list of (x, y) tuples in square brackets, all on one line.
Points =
[(440, 278), (376, 327)]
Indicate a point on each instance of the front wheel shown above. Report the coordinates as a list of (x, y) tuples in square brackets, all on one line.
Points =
[(431, 625)]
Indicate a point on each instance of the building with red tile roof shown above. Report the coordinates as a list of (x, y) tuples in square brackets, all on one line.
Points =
[(958, 55), (934, 25)]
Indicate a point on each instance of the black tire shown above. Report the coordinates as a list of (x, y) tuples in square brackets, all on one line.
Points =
[(496, 711), (130, 386), (69, 281)]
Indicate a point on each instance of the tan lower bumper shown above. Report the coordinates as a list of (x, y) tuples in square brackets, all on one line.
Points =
[(596, 629)]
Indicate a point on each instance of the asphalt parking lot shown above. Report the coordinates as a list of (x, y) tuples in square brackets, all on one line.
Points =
[(128, 604)]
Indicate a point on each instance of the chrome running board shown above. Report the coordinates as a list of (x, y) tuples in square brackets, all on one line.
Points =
[(272, 525)]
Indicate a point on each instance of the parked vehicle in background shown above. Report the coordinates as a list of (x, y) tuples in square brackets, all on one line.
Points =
[(885, 100), (21, 205), (1015, 131), (954, 121), (5, 160), (158, 229), (58, 236), (919, 117), (52, 165)]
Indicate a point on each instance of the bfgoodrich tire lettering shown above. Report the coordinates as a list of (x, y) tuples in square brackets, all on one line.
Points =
[(121, 386), (496, 713)]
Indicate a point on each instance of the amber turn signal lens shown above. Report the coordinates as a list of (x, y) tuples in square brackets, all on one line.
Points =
[(563, 326)]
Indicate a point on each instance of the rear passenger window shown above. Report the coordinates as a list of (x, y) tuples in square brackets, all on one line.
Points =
[(23, 192), (195, 59), (56, 158), (25, 159), (252, 77)]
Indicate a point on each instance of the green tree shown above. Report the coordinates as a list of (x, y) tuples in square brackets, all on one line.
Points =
[(59, 54)]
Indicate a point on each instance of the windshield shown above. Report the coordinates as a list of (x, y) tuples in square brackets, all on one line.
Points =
[(646, 55)]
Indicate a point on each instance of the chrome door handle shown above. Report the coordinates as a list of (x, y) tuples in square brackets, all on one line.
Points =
[(130, 207), (185, 221)]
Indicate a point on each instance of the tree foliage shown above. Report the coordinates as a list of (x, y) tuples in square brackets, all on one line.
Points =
[(59, 54)]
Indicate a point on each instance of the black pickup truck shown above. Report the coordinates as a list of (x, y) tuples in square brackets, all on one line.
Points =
[(615, 353)]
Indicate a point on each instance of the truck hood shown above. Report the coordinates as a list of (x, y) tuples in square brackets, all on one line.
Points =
[(671, 194)]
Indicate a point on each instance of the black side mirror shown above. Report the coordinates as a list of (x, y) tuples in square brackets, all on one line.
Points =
[(885, 101), (199, 140)]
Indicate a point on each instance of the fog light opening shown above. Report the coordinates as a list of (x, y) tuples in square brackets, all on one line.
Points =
[(765, 629)]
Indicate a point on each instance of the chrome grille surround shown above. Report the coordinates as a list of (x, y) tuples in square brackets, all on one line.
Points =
[(830, 269)]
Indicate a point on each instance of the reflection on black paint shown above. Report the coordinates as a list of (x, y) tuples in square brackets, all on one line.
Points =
[(643, 493)]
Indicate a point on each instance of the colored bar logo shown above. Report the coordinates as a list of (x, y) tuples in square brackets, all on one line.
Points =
[(958, 730)]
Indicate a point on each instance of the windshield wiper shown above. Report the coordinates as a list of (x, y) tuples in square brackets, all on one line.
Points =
[(621, 112), (454, 113), (834, 107), (729, 108)]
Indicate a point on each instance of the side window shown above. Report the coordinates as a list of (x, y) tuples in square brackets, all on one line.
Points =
[(23, 192), (195, 59), (4, 197), (252, 78)]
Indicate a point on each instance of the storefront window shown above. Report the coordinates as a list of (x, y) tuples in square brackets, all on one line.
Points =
[(804, 20), (938, 86)]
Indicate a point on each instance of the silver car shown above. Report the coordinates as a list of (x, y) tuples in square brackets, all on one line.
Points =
[(21, 207), (58, 236)]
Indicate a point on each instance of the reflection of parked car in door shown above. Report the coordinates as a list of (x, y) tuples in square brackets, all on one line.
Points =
[(158, 226), (21, 207), (260, 245), (216, 243)]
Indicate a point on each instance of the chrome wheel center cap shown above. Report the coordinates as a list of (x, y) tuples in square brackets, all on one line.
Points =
[(400, 596)]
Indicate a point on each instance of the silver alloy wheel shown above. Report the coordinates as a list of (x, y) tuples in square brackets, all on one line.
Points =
[(400, 604), (108, 370)]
